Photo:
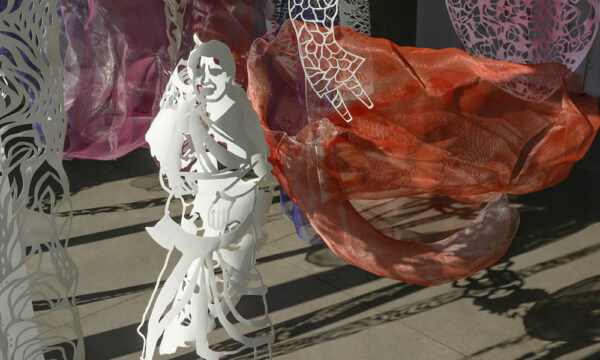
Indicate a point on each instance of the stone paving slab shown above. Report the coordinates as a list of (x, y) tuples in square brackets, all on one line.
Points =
[(542, 301)]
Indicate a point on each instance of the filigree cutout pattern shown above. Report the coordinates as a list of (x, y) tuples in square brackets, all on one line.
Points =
[(527, 32), (356, 15), (34, 264), (328, 67)]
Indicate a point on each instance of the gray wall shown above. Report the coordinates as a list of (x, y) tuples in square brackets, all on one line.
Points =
[(434, 29), (592, 69)]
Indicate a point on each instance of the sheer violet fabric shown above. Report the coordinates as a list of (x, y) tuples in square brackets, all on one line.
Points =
[(116, 70), (291, 212), (440, 125), (117, 64)]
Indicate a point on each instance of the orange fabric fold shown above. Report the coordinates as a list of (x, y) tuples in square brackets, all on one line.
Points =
[(441, 124)]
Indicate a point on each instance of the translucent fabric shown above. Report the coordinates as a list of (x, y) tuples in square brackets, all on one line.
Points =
[(118, 64), (291, 212), (439, 125), (116, 70)]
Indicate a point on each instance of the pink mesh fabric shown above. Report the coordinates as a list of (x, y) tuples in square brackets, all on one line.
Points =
[(527, 32), (116, 70)]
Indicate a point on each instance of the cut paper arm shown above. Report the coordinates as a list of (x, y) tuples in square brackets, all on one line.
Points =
[(329, 68)]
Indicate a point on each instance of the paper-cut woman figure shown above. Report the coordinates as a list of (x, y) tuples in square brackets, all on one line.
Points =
[(213, 154)]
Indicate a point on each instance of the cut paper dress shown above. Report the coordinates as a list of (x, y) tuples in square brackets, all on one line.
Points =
[(440, 125)]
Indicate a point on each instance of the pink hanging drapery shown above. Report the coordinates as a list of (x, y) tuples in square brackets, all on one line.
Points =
[(117, 64)]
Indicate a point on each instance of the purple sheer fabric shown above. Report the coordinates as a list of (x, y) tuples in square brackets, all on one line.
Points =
[(116, 69), (117, 64), (303, 228)]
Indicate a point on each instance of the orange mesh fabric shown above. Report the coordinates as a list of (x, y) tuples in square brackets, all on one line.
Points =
[(440, 125)]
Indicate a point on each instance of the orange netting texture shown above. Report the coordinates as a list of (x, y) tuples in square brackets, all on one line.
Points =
[(440, 125)]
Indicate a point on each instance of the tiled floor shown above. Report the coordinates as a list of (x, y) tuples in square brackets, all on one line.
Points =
[(542, 301)]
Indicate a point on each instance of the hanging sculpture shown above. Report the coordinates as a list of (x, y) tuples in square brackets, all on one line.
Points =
[(440, 125), (213, 161), (527, 32), (38, 317)]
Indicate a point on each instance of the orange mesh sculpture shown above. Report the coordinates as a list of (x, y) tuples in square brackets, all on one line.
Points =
[(440, 125)]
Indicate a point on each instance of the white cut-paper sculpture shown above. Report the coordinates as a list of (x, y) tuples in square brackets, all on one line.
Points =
[(38, 317), (213, 163), (329, 68)]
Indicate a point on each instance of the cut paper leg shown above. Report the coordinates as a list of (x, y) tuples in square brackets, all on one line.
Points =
[(198, 295)]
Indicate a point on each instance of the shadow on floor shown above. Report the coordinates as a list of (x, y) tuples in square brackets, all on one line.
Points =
[(84, 174), (546, 217)]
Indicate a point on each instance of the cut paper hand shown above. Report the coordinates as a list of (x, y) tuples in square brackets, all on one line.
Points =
[(329, 68), (213, 154)]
